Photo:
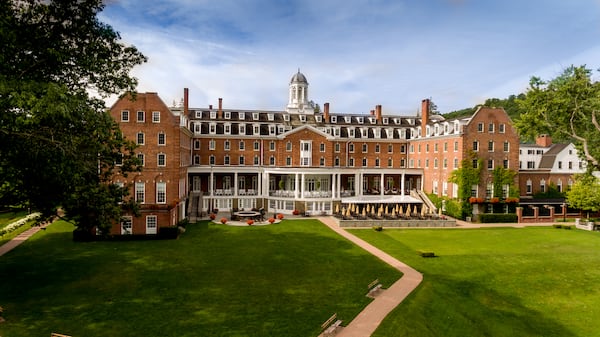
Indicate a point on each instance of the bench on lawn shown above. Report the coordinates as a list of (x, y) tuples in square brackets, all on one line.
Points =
[(330, 325), (373, 288), (54, 334)]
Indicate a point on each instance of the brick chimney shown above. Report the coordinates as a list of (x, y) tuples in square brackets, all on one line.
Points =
[(326, 112), (424, 116), (220, 113), (186, 101), (378, 113), (543, 140)]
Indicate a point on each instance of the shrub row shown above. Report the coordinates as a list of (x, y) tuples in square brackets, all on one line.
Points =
[(497, 217), (562, 226)]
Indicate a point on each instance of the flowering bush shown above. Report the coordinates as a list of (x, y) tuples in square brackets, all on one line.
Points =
[(212, 216), (296, 212), (512, 200), (250, 222), (280, 216), (11, 227), (495, 200), (223, 220), (271, 220)]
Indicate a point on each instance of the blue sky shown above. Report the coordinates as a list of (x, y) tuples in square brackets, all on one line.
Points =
[(355, 53)]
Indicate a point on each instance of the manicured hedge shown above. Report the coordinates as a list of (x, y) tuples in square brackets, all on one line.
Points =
[(497, 217)]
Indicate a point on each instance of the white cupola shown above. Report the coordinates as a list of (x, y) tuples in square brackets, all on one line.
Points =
[(298, 95)]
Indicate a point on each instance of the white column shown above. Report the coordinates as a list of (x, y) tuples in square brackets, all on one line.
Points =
[(357, 184), (302, 187), (296, 186), (211, 184), (339, 185), (381, 185), (235, 184), (333, 183), (402, 184)]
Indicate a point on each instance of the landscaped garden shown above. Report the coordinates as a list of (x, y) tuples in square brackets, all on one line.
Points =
[(215, 280), (8, 217), (496, 282)]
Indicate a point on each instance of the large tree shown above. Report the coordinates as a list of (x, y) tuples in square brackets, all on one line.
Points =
[(567, 108), (58, 144), (585, 193)]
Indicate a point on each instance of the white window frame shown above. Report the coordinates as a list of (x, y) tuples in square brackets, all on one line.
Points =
[(161, 192), (151, 224), (155, 116)]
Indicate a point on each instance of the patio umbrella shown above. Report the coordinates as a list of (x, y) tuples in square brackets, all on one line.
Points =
[(423, 210), (400, 210), (364, 212), (386, 209), (407, 210), (397, 209), (343, 210), (368, 208), (337, 208), (348, 213), (415, 210), (393, 212)]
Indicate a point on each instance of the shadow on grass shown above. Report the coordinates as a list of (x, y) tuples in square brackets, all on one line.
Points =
[(280, 280)]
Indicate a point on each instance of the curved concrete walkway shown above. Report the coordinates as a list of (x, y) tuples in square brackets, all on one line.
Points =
[(369, 319)]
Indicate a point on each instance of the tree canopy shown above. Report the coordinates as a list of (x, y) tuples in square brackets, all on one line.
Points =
[(58, 144), (565, 108), (585, 193)]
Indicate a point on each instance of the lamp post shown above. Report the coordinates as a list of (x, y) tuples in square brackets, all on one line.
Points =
[(564, 209)]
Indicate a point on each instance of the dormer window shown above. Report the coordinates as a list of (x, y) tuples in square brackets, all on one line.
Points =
[(198, 114), (347, 119), (333, 119), (351, 132), (212, 128), (242, 129), (272, 130), (372, 120), (270, 116), (227, 114), (286, 117), (242, 116), (213, 114), (256, 129), (319, 118), (303, 118), (255, 116), (227, 128), (360, 120), (385, 120)]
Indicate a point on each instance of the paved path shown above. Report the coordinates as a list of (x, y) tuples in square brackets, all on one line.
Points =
[(19, 239), (369, 319)]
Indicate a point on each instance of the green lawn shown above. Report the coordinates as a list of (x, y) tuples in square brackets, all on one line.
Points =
[(496, 282), (279, 280)]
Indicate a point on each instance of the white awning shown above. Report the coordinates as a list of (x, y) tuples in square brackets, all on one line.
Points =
[(382, 199)]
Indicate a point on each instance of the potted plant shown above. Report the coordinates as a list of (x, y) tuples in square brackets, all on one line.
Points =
[(250, 222), (271, 220), (280, 216), (212, 216), (295, 212), (223, 220)]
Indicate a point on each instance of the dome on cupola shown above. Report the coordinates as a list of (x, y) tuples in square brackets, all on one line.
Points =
[(299, 78)]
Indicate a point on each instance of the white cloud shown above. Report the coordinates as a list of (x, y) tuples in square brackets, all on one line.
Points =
[(356, 55)]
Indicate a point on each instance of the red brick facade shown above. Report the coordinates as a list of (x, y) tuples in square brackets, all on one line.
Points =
[(164, 145)]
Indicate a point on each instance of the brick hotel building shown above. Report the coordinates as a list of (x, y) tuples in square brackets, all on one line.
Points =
[(205, 158)]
